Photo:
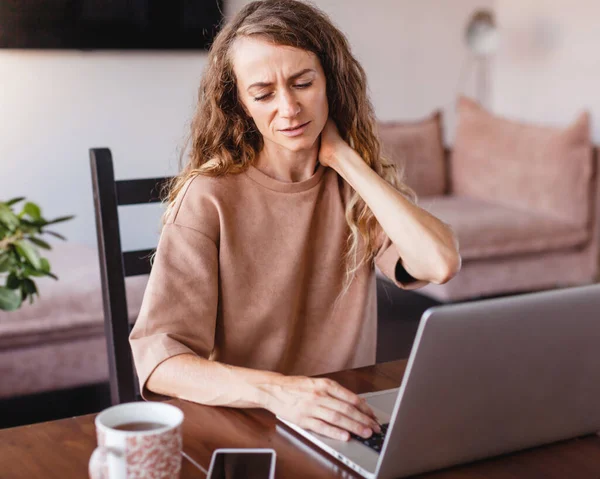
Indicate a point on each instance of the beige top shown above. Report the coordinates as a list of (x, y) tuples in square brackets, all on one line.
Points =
[(247, 272)]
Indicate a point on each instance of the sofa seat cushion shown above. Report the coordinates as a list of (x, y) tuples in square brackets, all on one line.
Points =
[(488, 230), (69, 308), (52, 366)]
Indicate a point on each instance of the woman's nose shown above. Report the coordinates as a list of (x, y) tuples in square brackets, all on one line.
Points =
[(288, 105)]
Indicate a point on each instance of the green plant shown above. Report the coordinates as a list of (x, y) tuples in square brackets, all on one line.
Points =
[(20, 257)]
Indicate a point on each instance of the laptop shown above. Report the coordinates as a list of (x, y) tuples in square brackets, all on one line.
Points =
[(485, 378)]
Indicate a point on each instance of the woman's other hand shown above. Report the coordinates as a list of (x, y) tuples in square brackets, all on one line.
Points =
[(332, 145), (322, 406)]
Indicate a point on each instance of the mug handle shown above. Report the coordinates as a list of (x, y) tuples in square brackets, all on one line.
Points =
[(98, 465)]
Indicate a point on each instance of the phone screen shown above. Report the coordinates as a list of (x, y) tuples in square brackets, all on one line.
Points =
[(242, 465)]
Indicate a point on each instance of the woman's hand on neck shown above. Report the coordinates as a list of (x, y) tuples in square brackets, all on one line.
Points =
[(332, 147)]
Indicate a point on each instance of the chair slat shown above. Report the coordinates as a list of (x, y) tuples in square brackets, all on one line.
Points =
[(134, 192)]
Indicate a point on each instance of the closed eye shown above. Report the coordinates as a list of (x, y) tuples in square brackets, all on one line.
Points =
[(300, 86), (261, 98)]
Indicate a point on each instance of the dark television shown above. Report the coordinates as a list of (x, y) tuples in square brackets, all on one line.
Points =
[(109, 24)]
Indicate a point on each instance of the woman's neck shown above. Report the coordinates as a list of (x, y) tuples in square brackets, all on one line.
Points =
[(287, 166)]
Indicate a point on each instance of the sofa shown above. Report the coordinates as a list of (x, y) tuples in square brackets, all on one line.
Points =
[(523, 199)]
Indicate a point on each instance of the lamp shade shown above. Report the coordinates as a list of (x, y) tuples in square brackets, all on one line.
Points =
[(481, 33)]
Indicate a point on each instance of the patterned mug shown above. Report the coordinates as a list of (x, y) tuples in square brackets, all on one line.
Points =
[(138, 440)]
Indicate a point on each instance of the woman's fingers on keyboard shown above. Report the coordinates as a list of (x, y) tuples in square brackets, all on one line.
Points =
[(337, 391), (346, 410), (326, 429), (342, 421)]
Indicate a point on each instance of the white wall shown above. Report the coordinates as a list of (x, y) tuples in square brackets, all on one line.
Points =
[(548, 66), (54, 106)]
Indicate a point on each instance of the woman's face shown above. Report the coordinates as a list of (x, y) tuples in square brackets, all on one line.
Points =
[(283, 90)]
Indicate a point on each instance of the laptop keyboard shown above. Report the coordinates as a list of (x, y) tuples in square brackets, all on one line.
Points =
[(375, 442)]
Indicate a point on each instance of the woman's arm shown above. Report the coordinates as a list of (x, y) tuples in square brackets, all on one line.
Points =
[(427, 247), (193, 378), (321, 405)]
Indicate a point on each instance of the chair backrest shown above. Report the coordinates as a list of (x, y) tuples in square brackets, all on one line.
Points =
[(115, 264)]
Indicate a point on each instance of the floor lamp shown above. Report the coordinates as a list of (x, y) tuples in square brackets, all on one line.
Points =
[(482, 39)]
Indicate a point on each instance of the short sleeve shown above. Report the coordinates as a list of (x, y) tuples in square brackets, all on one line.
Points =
[(179, 308), (389, 263)]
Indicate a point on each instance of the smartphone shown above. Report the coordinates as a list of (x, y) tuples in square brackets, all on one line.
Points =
[(242, 464)]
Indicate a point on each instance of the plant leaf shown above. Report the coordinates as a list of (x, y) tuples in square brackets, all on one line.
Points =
[(33, 211), (45, 265), (23, 293), (8, 217), (30, 271), (56, 235), (39, 242), (4, 263), (30, 287), (12, 201), (29, 253), (29, 230), (13, 281), (60, 220), (9, 299), (37, 224)]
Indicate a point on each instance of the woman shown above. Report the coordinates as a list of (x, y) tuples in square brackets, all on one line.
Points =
[(264, 273)]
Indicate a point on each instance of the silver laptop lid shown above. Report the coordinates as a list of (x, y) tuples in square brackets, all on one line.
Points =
[(495, 376)]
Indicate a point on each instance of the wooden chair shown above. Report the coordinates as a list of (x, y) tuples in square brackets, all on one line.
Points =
[(115, 265)]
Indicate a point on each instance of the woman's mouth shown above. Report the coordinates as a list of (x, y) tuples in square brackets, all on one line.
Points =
[(295, 131)]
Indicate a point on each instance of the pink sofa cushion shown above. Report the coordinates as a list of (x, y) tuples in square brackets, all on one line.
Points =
[(487, 230), (538, 168), (417, 148)]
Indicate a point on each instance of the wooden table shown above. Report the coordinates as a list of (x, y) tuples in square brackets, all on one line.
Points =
[(61, 449)]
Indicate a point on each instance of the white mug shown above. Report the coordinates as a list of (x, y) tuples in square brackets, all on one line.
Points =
[(138, 440)]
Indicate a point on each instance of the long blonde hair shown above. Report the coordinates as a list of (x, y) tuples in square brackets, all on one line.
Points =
[(223, 139)]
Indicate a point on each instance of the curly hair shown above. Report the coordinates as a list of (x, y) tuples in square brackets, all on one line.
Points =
[(223, 139)]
